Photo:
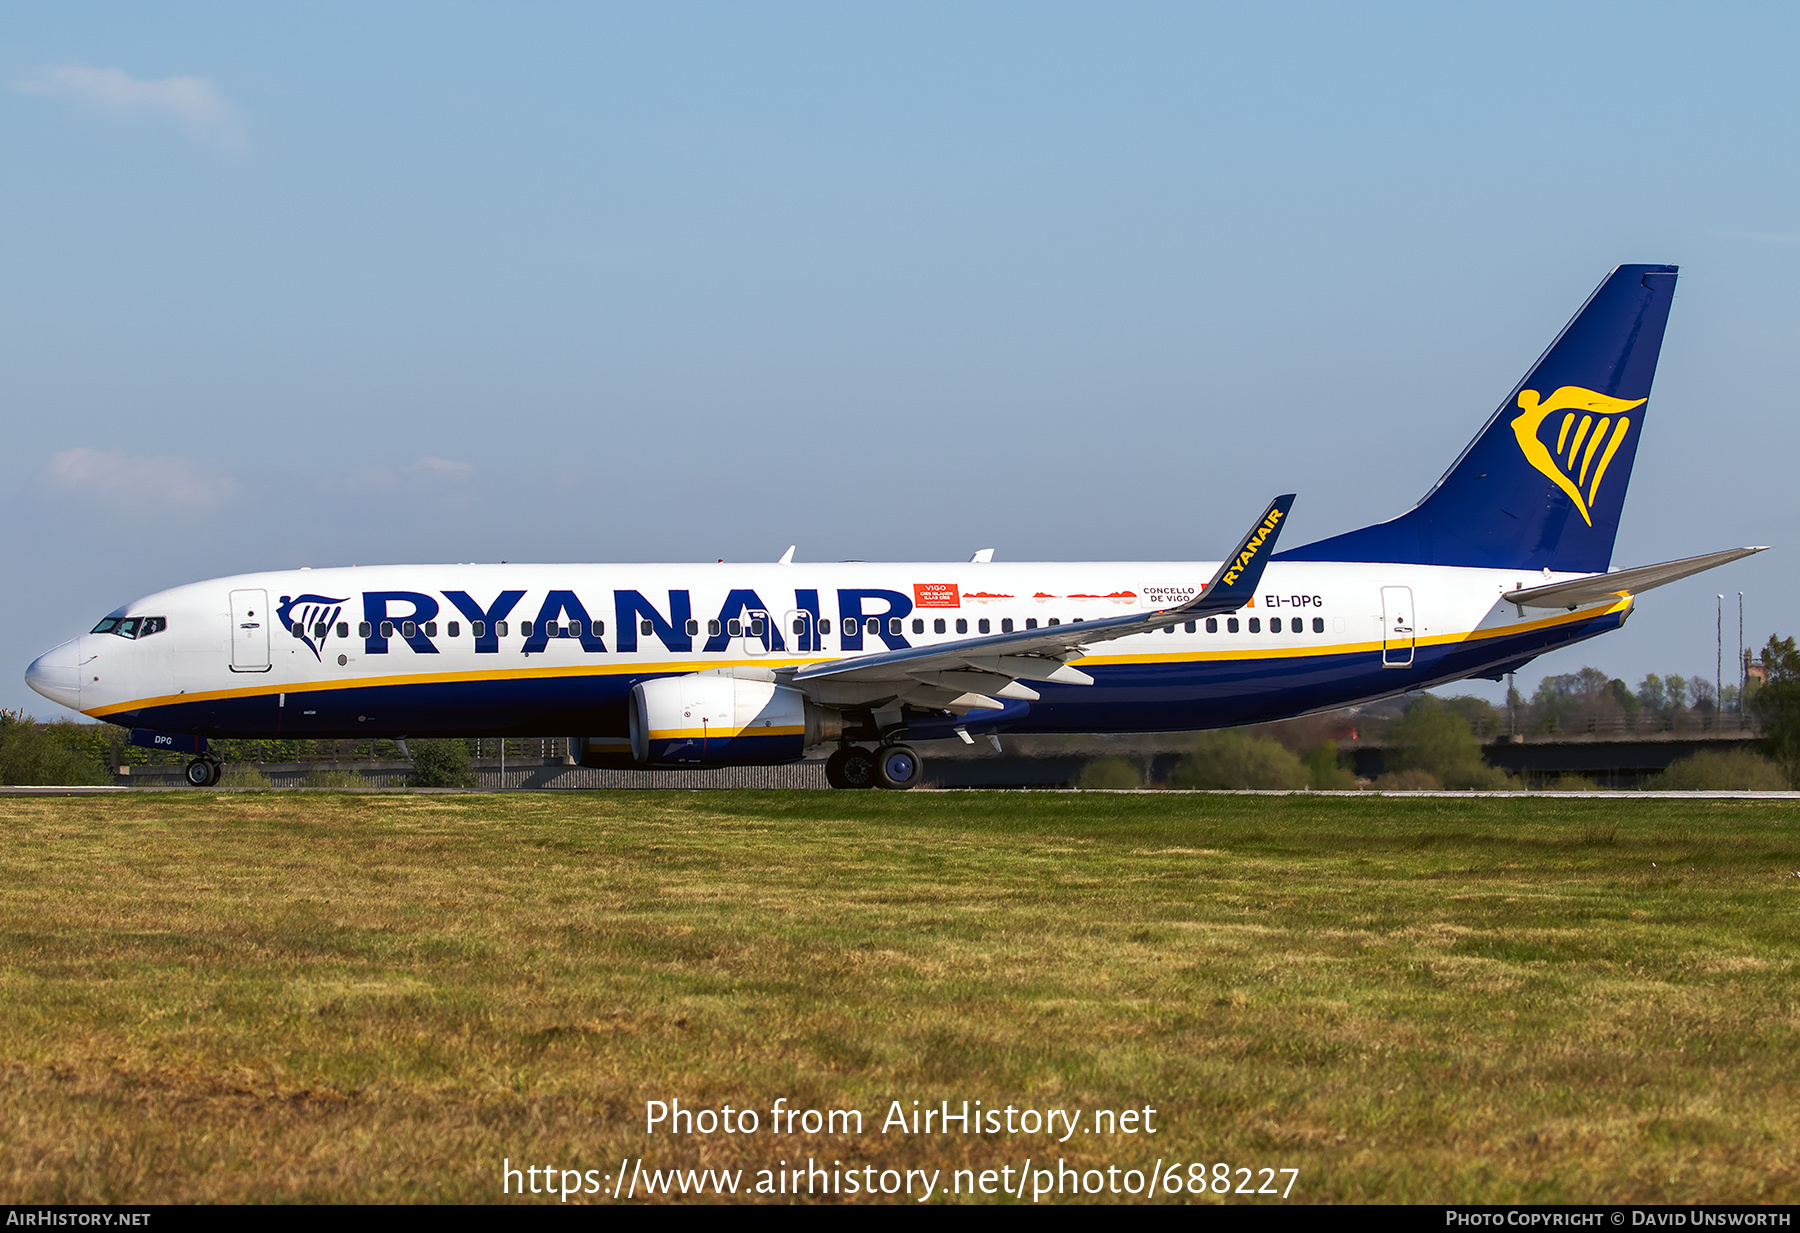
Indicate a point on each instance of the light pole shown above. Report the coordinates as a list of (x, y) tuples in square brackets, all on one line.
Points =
[(1743, 677), (1719, 664)]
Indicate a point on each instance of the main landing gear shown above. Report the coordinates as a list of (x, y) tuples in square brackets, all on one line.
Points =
[(891, 766), (204, 772)]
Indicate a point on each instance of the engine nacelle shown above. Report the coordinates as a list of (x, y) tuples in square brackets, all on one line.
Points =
[(707, 720)]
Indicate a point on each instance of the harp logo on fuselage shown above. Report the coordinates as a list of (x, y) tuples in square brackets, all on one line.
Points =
[(1592, 428)]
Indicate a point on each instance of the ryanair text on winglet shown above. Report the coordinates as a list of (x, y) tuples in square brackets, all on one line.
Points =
[(1252, 545)]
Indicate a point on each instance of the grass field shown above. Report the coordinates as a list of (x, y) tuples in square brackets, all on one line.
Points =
[(319, 996)]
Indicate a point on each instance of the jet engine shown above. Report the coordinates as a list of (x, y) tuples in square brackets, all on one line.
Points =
[(714, 720)]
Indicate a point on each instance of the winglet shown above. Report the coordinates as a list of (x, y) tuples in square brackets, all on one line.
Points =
[(1235, 583)]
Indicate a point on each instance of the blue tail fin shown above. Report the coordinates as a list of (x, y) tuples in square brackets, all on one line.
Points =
[(1543, 484)]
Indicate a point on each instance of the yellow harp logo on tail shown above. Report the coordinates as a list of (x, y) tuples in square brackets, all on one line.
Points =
[(1590, 432)]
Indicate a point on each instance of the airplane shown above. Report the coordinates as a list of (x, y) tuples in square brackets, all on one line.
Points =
[(670, 666)]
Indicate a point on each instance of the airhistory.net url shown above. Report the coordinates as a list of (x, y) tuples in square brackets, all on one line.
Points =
[(1164, 1179)]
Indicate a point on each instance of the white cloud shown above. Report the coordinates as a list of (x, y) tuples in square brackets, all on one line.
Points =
[(441, 468), (193, 102), (139, 481)]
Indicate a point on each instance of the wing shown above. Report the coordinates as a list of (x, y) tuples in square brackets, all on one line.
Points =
[(970, 673), (1573, 594)]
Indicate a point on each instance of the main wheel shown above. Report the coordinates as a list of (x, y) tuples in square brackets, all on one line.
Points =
[(897, 766), (850, 767), (203, 772)]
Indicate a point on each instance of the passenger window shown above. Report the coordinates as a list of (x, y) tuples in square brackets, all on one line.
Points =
[(297, 629), (849, 627), (1274, 625), (937, 626), (525, 628), (599, 628), (409, 629), (962, 626), (454, 629), (693, 628), (1006, 625), (431, 629), (478, 629), (1297, 625), (756, 627), (1231, 625), (320, 630), (1189, 627), (872, 625), (1054, 621), (1168, 629), (500, 628), (646, 628), (1318, 625), (387, 629), (800, 625), (735, 628), (1212, 625), (1256, 625), (918, 626), (893, 625), (1030, 622), (575, 630), (364, 629), (343, 629)]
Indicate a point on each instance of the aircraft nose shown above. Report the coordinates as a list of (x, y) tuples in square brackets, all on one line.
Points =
[(57, 674)]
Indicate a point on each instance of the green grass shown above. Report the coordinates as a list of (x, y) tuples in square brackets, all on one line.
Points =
[(318, 996)]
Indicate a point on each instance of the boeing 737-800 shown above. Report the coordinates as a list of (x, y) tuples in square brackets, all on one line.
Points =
[(1505, 558)]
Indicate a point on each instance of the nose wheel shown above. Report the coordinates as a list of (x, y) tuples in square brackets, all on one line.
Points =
[(204, 772)]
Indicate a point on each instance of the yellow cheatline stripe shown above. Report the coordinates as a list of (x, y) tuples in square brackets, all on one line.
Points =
[(719, 734), (1301, 651), (450, 678)]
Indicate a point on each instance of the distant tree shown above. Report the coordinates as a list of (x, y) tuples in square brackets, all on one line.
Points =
[(1702, 694), (1622, 694), (1233, 760), (1776, 706), (1432, 737), (47, 754), (444, 763), (1480, 714), (1677, 688), (1652, 695), (1326, 768)]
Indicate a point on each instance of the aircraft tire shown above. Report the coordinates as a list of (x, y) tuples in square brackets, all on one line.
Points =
[(203, 772), (897, 767), (851, 767)]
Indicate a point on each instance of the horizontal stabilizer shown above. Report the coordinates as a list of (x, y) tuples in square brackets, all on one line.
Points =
[(1581, 591)]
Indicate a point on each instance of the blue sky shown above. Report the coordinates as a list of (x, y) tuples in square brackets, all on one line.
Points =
[(413, 282)]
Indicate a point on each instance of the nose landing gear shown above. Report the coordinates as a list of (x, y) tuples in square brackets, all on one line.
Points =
[(204, 772), (891, 766)]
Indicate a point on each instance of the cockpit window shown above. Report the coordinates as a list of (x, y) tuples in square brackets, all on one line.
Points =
[(132, 627)]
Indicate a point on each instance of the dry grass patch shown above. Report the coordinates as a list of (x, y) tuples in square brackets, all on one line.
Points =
[(316, 996)]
